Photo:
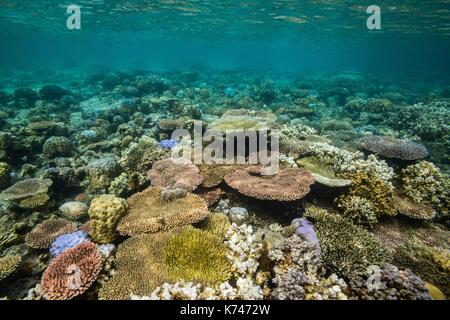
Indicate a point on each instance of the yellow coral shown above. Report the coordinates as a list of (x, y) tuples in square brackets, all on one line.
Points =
[(8, 265), (105, 212), (197, 255), (216, 223)]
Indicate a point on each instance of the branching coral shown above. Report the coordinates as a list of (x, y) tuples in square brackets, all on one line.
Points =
[(139, 268), (393, 148), (43, 234), (197, 255), (358, 209), (347, 249), (105, 212), (150, 213), (8, 233), (8, 265), (389, 283), (424, 183), (71, 273), (287, 185), (166, 173)]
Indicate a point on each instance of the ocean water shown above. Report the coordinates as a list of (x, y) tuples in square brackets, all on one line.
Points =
[(91, 207)]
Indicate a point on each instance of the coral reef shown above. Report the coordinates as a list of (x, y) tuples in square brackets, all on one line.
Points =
[(8, 265), (150, 213), (166, 173), (105, 212), (28, 193), (73, 210), (287, 185), (67, 241), (360, 210), (197, 255), (71, 273), (43, 234), (393, 148)]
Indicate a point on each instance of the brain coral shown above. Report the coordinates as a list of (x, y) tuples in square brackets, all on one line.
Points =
[(393, 148), (8, 265), (72, 272), (347, 249), (166, 173), (197, 255), (150, 213), (105, 212), (288, 185), (139, 268), (43, 234), (66, 241), (28, 193)]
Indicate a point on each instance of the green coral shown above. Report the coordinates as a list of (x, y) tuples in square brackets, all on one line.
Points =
[(216, 223), (347, 249), (358, 209), (430, 264), (197, 255), (424, 183)]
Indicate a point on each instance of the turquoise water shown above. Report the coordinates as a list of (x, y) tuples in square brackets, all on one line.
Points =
[(91, 207)]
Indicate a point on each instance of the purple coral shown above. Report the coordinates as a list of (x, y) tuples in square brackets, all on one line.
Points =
[(66, 241), (168, 143), (305, 230)]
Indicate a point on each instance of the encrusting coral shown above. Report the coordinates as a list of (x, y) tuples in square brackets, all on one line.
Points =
[(197, 255), (8, 265), (166, 173), (105, 212), (43, 234), (347, 249), (287, 185), (150, 213), (71, 273)]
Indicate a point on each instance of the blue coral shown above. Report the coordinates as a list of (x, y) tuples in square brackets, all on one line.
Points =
[(168, 143), (67, 241), (305, 230)]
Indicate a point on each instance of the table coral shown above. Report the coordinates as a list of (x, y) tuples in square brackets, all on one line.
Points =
[(150, 213), (71, 273), (287, 185), (105, 212), (29, 193), (197, 255), (166, 173)]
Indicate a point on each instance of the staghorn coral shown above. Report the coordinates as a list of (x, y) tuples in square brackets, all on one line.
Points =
[(393, 148), (71, 273), (43, 234), (376, 191), (138, 267), (197, 255), (389, 283), (287, 185), (73, 210), (424, 183), (413, 210), (105, 212), (150, 213), (28, 193), (358, 209), (9, 265), (347, 249), (166, 173)]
